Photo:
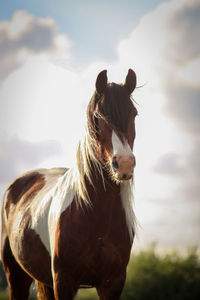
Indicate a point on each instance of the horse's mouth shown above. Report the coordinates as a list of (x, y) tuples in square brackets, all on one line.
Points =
[(122, 177)]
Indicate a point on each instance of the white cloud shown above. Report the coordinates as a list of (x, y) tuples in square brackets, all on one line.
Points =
[(165, 51), (184, 23), (21, 23), (17, 156), (164, 38), (43, 101), (26, 35)]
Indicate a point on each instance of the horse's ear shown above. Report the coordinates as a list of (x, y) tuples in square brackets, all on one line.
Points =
[(131, 80), (101, 82)]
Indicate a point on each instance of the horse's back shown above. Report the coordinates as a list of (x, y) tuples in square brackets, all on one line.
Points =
[(24, 188), (25, 220)]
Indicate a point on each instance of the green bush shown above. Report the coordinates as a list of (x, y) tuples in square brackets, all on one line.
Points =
[(154, 277), (3, 295)]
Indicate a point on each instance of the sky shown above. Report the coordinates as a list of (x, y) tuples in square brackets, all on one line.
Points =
[(50, 55)]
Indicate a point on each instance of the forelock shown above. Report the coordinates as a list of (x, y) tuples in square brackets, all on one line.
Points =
[(116, 106)]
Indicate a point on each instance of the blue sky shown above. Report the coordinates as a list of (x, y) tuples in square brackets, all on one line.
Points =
[(50, 55), (95, 27)]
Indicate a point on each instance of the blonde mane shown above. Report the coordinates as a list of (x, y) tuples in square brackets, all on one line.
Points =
[(85, 159)]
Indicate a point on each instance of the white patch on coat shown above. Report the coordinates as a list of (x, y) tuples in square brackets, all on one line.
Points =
[(16, 233), (63, 196), (41, 203)]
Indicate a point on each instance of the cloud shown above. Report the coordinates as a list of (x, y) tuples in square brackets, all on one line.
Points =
[(18, 156), (168, 34), (190, 188), (184, 23), (169, 164), (185, 170), (181, 83), (183, 104), (26, 35), (173, 219), (164, 49), (42, 101)]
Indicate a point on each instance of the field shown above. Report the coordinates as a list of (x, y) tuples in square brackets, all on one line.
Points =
[(87, 294)]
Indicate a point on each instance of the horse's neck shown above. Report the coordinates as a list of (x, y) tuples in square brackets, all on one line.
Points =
[(102, 189), (109, 200)]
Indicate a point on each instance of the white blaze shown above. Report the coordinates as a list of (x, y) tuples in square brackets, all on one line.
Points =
[(119, 148)]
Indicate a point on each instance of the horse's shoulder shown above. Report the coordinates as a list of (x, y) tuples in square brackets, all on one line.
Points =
[(30, 183)]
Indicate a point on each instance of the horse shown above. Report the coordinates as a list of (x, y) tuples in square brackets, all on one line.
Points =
[(67, 229)]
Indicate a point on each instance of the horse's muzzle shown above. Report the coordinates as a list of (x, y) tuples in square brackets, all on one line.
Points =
[(123, 166)]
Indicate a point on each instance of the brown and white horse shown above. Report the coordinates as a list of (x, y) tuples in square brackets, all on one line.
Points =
[(70, 228)]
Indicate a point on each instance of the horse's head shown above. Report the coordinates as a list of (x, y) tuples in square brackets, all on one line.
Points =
[(111, 122)]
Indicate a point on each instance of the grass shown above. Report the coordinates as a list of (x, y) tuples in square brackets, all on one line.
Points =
[(87, 294), (3, 296), (84, 294)]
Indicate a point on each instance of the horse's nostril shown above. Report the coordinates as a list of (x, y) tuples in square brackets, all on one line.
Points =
[(115, 164)]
